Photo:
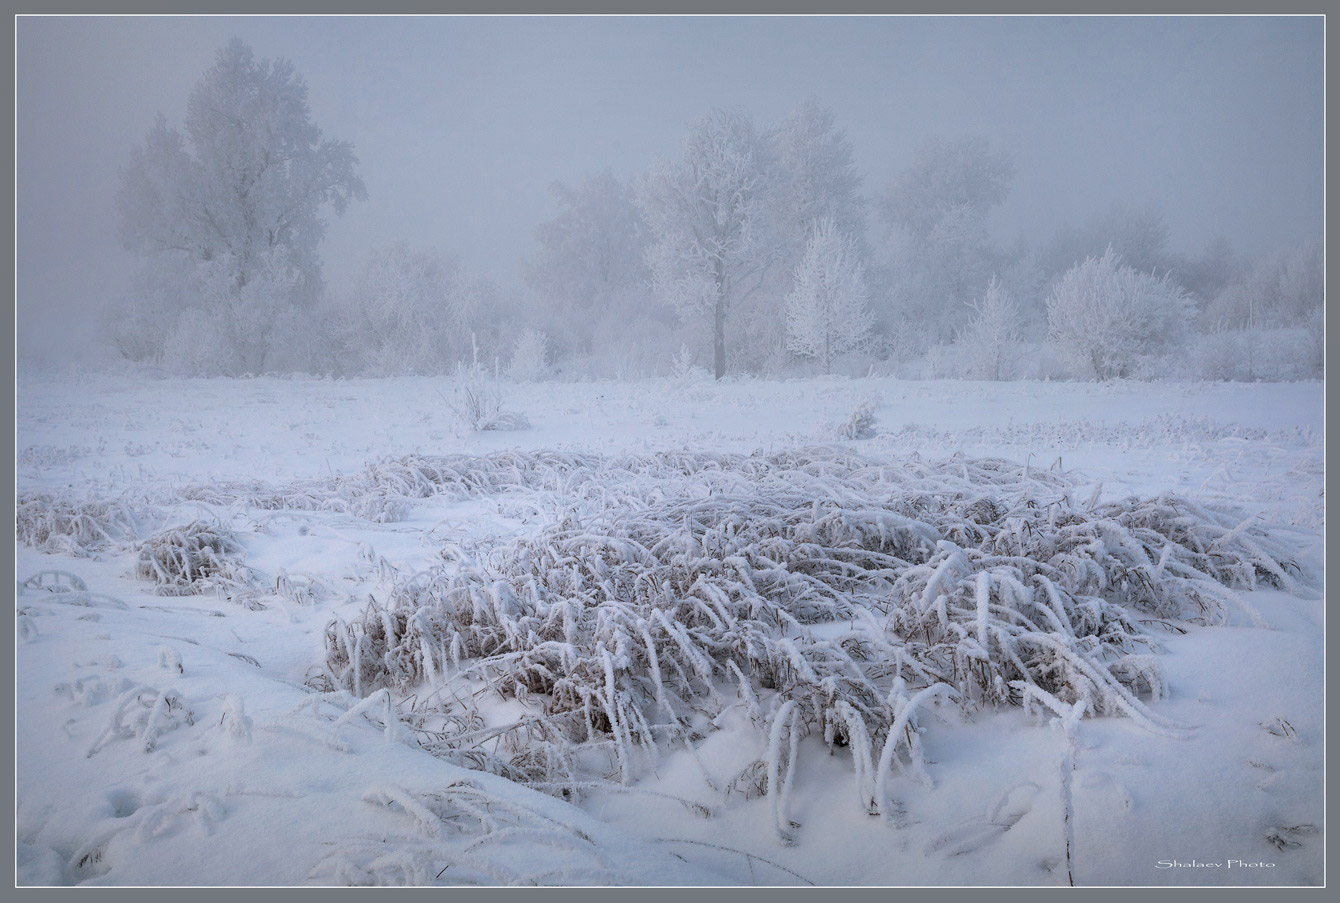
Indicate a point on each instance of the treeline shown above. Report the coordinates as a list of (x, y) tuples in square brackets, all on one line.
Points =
[(754, 249)]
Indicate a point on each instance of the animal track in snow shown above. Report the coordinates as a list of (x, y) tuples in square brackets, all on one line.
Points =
[(1009, 809)]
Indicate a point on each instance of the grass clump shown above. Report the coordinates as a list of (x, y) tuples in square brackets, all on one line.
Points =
[(828, 594)]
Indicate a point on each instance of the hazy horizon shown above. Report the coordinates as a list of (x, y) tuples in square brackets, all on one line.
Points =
[(461, 124)]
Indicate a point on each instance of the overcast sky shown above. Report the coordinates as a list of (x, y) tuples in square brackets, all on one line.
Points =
[(460, 124)]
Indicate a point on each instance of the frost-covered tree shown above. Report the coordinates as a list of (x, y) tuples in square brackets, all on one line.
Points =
[(1137, 234), (813, 176), (827, 311), (1105, 317), (239, 195), (946, 174), (588, 264), (938, 253), (412, 311), (707, 215), (530, 356), (988, 345)]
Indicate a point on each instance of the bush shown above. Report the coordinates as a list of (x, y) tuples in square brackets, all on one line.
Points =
[(59, 523), (191, 559), (477, 398), (859, 425), (1106, 318)]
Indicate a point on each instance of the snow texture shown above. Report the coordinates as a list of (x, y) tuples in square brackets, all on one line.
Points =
[(599, 657)]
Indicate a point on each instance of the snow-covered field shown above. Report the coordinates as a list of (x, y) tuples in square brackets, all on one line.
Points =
[(215, 725)]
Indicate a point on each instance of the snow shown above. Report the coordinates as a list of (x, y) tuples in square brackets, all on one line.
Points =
[(178, 739)]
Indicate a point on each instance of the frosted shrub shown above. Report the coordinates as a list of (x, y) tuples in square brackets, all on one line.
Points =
[(191, 559), (55, 522), (859, 425), (1220, 356), (679, 585), (1105, 317), (477, 398), (197, 346), (683, 367), (530, 357)]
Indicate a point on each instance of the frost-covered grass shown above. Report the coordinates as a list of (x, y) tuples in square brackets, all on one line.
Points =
[(665, 632), (61, 522), (829, 591), (191, 559)]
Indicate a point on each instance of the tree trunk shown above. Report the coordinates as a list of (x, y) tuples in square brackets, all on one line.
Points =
[(719, 338), (719, 325)]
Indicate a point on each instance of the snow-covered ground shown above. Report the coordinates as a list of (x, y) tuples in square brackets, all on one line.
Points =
[(186, 739)]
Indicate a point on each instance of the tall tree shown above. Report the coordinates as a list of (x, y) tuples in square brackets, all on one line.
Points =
[(589, 259), (240, 195), (707, 215), (939, 255), (813, 177)]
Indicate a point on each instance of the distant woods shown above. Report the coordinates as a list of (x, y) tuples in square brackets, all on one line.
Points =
[(752, 249)]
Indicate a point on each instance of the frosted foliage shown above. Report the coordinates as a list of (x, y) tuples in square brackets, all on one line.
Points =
[(671, 587), (239, 195), (816, 178), (938, 250), (706, 215), (411, 312), (530, 356), (827, 311), (988, 345), (1105, 318), (948, 174)]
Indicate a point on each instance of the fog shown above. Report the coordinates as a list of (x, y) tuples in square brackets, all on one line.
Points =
[(668, 451), (461, 124)]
